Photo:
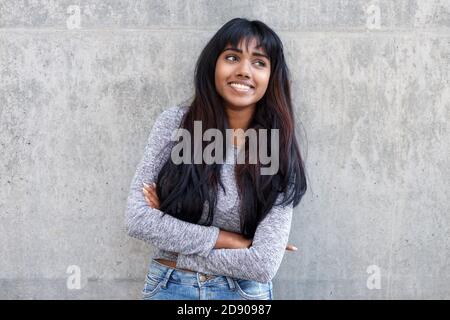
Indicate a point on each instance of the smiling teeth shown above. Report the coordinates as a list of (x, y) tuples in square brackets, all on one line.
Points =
[(240, 86)]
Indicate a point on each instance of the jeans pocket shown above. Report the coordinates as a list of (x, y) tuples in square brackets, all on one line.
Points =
[(252, 290), (152, 286)]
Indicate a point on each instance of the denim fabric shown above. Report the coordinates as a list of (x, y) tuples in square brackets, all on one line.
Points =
[(166, 283)]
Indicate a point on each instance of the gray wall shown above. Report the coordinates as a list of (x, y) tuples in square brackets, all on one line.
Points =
[(78, 98)]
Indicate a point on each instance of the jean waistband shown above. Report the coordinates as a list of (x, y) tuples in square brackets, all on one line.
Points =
[(188, 277)]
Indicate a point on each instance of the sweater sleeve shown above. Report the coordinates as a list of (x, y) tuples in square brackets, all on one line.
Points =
[(260, 262), (148, 224)]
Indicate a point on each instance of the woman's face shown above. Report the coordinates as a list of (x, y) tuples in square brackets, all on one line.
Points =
[(249, 69)]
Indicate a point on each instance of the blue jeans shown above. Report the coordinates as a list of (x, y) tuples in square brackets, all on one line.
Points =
[(166, 283)]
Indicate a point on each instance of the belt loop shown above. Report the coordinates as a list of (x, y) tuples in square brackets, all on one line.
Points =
[(166, 278), (230, 282)]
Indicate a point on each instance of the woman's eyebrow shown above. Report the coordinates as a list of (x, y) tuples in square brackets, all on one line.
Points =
[(255, 53)]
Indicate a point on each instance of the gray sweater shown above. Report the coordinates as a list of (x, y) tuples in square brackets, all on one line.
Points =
[(192, 245)]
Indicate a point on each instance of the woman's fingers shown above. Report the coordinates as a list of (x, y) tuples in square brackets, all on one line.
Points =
[(291, 247), (151, 189), (150, 202), (150, 195), (154, 197), (147, 187)]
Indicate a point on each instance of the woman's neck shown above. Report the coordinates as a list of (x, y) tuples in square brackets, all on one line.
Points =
[(239, 119)]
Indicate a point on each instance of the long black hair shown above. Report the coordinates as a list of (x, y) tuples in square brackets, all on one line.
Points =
[(183, 189)]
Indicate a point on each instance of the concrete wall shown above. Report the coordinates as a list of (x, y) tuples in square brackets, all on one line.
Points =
[(82, 82)]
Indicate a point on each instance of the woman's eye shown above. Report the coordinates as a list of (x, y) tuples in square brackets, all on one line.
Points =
[(262, 63), (230, 57)]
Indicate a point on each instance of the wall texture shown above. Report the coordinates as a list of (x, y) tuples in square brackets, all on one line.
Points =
[(82, 82)]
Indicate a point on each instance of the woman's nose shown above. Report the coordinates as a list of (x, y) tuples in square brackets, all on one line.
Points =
[(243, 69)]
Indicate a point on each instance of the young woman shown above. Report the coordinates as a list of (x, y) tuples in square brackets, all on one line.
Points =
[(221, 228)]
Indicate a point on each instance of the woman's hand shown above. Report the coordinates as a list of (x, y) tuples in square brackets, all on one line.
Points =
[(234, 240), (150, 195), (291, 247), (227, 239), (246, 243)]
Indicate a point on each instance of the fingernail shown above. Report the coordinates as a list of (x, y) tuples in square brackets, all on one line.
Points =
[(294, 248), (145, 184), (153, 184), (143, 189)]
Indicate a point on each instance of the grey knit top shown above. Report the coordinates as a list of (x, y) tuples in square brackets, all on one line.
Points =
[(192, 245)]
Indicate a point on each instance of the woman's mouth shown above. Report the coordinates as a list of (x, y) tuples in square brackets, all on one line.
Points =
[(240, 88)]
